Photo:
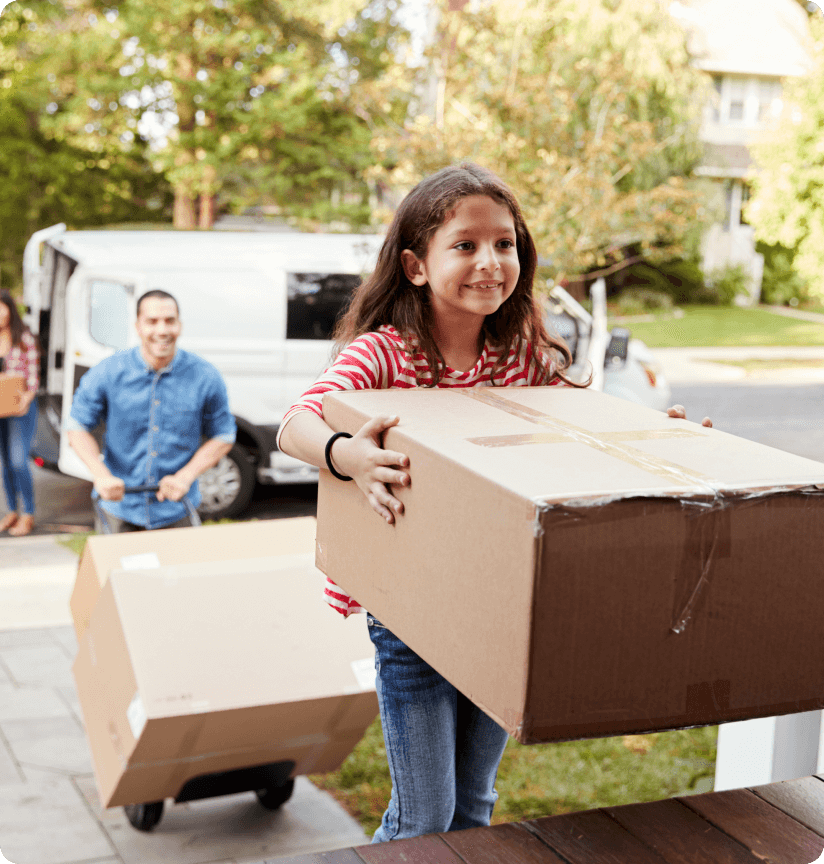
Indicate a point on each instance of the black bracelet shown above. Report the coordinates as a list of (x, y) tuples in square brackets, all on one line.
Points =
[(328, 454)]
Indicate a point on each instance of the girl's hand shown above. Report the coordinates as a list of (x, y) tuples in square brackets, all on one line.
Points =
[(374, 469), (679, 412)]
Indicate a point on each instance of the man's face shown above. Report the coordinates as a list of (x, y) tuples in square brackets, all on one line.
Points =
[(158, 326)]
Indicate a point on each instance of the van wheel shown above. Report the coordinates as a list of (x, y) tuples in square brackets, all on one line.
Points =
[(227, 488)]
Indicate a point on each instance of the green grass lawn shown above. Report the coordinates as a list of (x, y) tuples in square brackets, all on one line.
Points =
[(730, 326), (545, 779)]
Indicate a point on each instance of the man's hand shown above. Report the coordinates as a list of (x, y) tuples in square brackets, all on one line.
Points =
[(173, 487), (109, 488), (680, 413)]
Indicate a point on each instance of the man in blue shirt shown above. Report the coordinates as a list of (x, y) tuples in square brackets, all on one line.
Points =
[(158, 403)]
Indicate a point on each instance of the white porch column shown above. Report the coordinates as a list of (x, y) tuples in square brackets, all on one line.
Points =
[(769, 749)]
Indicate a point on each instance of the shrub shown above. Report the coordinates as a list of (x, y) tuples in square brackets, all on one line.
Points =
[(637, 301), (782, 283), (724, 284)]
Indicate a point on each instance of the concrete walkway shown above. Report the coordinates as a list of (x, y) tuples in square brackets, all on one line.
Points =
[(49, 810), (775, 365)]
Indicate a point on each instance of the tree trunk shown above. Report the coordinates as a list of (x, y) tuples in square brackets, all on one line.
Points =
[(207, 211), (184, 209)]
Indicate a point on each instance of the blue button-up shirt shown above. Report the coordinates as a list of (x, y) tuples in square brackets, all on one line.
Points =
[(155, 421)]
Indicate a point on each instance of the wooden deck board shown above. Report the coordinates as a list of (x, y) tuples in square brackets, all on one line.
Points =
[(766, 831), (592, 837), (335, 856), (430, 849), (679, 835), (802, 799), (782, 823), (512, 844)]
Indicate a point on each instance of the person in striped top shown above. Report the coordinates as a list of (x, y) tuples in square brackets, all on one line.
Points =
[(19, 355), (450, 304)]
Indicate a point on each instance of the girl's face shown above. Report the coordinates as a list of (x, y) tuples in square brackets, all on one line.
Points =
[(5, 316), (471, 265)]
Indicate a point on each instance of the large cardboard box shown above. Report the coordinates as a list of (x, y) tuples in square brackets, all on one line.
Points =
[(150, 549), (193, 670), (580, 566), (12, 388)]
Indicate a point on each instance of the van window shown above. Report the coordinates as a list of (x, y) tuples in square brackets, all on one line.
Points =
[(109, 319), (315, 301)]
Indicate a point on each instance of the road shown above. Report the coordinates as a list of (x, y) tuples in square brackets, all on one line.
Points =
[(787, 417)]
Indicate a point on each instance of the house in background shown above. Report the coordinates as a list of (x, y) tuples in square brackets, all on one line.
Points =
[(748, 47)]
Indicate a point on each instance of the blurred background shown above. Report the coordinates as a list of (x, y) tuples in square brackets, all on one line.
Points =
[(674, 147)]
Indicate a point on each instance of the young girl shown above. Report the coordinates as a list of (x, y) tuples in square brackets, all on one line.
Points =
[(450, 304), (18, 355)]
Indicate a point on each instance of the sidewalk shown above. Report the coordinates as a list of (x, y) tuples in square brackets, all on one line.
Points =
[(775, 365), (49, 811)]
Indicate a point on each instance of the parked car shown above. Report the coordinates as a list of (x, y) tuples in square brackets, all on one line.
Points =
[(260, 306), (619, 364)]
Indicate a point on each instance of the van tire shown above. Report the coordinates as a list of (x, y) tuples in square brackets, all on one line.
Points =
[(227, 488)]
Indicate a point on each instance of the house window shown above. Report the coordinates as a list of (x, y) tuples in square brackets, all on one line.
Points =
[(737, 95), (769, 99), (742, 101)]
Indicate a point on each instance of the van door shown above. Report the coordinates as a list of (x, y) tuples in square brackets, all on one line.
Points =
[(100, 312)]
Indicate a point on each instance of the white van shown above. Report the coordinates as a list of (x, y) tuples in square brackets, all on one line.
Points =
[(259, 305)]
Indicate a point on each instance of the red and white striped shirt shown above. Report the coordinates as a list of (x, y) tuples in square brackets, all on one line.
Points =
[(380, 360)]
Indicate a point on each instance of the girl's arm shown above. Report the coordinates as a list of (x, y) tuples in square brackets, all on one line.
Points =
[(361, 457)]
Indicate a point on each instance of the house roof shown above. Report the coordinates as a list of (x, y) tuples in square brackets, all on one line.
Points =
[(748, 37)]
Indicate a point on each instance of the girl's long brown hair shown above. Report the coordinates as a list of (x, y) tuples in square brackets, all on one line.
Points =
[(18, 328), (388, 297)]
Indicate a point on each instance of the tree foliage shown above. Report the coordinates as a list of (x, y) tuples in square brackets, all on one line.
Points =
[(787, 205), (590, 111), (45, 178), (241, 97)]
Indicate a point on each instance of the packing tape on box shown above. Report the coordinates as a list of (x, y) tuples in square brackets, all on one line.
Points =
[(612, 443)]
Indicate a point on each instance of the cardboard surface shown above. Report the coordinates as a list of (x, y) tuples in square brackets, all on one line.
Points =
[(171, 546), (198, 668), (580, 566), (12, 388)]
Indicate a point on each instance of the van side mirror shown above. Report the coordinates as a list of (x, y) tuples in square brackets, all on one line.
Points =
[(618, 346)]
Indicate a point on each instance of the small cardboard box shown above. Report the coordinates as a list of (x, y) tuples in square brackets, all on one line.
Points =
[(12, 387), (151, 549), (198, 669), (581, 566)]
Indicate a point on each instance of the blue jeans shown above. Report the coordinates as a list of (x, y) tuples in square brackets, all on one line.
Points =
[(16, 434), (443, 752)]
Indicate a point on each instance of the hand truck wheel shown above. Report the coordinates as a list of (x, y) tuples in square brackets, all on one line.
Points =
[(144, 817), (275, 797)]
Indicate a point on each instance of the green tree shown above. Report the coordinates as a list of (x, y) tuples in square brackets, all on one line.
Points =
[(787, 204), (227, 94), (45, 179), (589, 110)]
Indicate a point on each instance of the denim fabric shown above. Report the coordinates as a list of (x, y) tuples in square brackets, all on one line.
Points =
[(155, 421), (443, 752), (16, 434)]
